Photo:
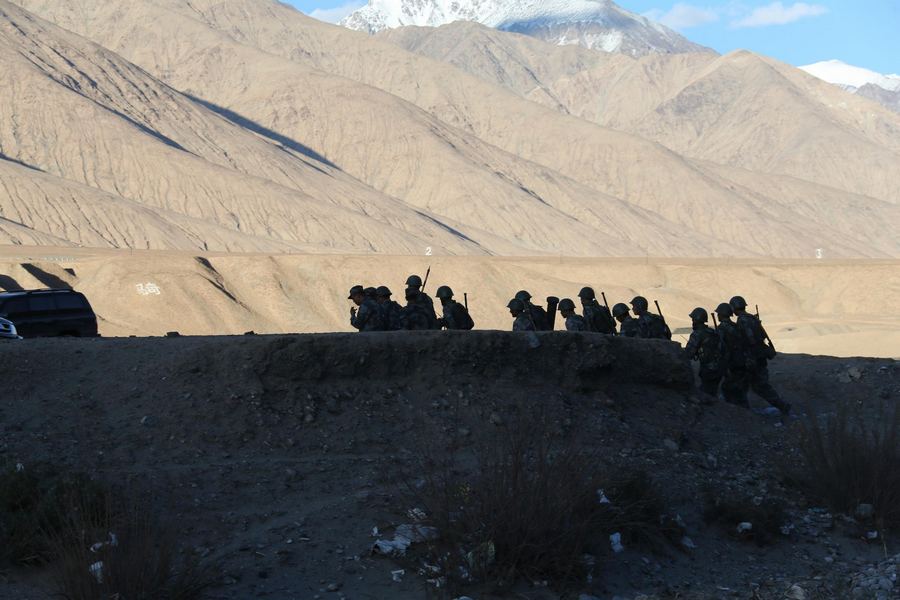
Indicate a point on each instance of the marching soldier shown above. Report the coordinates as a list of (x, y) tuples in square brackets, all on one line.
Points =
[(455, 314), (649, 325), (414, 282), (628, 326), (414, 316), (759, 351), (390, 309), (537, 314), (596, 316), (368, 315), (523, 321), (574, 322), (734, 358), (705, 346)]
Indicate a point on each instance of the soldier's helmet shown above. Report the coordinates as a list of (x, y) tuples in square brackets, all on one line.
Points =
[(699, 314), (516, 304), (371, 292), (640, 303), (383, 292), (566, 304), (724, 310), (414, 281), (356, 289), (444, 292), (587, 293), (738, 303), (619, 310), (523, 296)]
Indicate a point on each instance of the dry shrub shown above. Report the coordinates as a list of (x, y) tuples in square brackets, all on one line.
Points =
[(851, 460), (525, 505), (638, 509), (138, 558)]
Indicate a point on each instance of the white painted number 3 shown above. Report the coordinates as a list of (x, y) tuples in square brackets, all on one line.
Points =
[(428, 251)]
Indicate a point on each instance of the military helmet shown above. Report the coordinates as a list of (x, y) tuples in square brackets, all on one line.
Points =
[(640, 303), (566, 304), (587, 293), (619, 310), (383, 292), (516, 304), (414, 281), (371, 292), (699, 314), (738, 303), (444, 292), (724, 310), (356, 289), (523, 296)]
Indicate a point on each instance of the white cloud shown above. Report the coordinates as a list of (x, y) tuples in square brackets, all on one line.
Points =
[(333, 15), (683, 16), (777, 13)]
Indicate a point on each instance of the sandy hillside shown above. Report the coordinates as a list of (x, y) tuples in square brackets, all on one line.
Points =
[(808, 306), (742, 109), (470, 151)]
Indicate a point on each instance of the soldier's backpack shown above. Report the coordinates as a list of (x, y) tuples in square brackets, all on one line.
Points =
[(465, 319), (655, 327)]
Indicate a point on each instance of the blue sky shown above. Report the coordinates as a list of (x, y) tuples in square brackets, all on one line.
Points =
[(865, 33)]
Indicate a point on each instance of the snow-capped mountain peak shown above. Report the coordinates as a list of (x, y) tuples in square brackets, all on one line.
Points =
[(599, 24), (850, 77)]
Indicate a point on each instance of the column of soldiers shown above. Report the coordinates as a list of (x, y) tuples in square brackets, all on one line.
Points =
[(376, 311), (733, 356)]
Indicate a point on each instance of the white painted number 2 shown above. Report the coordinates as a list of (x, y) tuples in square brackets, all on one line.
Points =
[(428, 251)]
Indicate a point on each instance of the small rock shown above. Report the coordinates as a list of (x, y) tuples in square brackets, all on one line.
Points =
[(148, 421), (172, 334), (688, 543), (744, 527), (854, 373), (671, 444), (333, 587), (795, 593)]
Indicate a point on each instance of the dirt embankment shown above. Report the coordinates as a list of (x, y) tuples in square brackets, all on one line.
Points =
[(277, 455)]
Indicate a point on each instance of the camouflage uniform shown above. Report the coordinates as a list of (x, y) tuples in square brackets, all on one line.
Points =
[(653, 327), (597, 317), (576, 323), (523, 323), (414, 317), (629, 328), (734, 357), (425, 301), (705, 346), (368, 316), (456, 317), (391, 313), (754, 339)]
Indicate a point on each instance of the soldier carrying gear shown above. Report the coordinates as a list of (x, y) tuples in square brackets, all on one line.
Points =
[(596, 316), (390, 310), (758, 354), (523, 320), (628, 327), (574, 322), (456, 317), (706, 347), (414, 282), (368, 316), (649, 325), (538, 315), (734, 358), (413, 316)]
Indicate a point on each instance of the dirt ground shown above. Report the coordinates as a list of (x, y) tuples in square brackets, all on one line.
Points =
[(278, 455)]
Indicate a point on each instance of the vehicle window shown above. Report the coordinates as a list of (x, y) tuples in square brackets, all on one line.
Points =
[(41, 303), (70, 302), (15, 306)]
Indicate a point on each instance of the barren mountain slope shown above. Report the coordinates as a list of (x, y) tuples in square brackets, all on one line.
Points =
[(641, 172), (77, 112), (741, 109)]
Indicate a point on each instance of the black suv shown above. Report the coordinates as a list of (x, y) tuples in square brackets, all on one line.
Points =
[(49, 313)]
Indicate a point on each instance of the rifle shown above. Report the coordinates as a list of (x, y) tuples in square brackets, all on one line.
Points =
[(765, 333), (605, 303), (659, 312), (425, 281), (715, 321), (466, 301)]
